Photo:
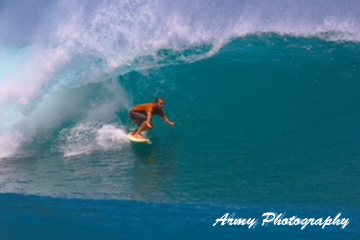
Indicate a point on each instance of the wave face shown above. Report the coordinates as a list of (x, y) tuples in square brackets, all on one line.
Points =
[(265, 96)]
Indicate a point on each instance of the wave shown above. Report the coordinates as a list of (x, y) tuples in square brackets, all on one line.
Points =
[(68, 52)]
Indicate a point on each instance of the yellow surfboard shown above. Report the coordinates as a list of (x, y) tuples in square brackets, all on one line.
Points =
[(136, 140)]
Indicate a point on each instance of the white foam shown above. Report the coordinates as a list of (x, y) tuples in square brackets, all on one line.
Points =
[(10, 143), (79, 139), (110, 137), (88, 137)]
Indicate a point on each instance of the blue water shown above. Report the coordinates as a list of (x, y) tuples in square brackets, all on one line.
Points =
[(264, 96)]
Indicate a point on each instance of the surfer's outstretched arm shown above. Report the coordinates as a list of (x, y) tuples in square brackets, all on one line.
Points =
[(166, 120)]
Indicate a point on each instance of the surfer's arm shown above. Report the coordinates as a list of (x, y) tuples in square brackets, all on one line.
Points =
[(148, 119), (166, 120)]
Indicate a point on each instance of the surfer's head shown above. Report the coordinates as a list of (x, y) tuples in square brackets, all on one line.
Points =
[(160, 102)]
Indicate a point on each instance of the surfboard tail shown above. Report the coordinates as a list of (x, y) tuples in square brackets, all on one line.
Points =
[(136, 140)]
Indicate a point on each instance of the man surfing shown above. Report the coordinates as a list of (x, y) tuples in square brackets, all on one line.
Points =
[(142, 115)]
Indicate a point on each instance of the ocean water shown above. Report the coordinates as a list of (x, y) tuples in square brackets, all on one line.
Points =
[(265, 96)]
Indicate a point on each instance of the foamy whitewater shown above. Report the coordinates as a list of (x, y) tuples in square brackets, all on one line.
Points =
[(264, 94)]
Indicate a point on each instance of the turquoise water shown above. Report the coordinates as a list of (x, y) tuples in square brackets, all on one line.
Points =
[(266, 118)]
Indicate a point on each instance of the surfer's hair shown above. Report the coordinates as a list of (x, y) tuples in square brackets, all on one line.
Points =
[(158, 99)]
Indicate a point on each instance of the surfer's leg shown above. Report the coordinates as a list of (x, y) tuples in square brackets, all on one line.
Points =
[(143, 127), (133, 132), (138, 119)]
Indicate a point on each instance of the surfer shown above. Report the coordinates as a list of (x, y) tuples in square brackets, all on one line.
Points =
[(142, 115)]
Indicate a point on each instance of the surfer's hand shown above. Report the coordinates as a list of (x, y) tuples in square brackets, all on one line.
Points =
[(149, 125), (172, 124)]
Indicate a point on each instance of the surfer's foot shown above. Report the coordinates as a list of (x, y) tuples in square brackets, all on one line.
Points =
[(139, 136), (134, 132)]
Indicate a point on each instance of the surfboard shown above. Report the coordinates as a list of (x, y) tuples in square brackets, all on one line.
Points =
[(136, 140)]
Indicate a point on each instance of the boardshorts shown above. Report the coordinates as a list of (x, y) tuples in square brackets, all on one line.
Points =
[(137, 117)]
